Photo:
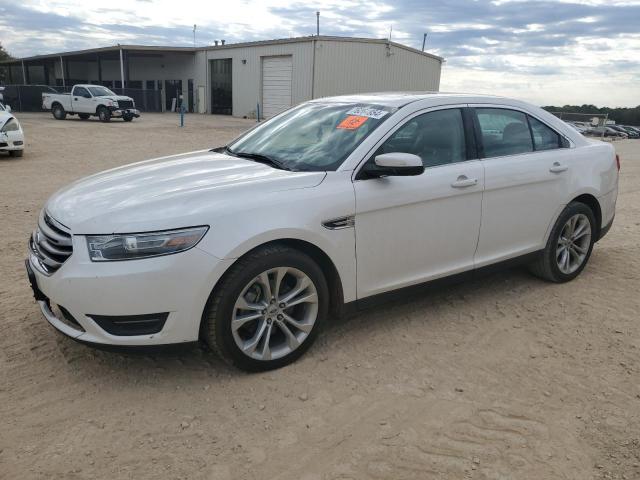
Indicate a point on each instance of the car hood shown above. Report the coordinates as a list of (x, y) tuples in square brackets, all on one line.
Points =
[(115, 98), (170, 192)]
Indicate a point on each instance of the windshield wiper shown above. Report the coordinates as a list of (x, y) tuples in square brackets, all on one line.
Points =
[(258, 157)]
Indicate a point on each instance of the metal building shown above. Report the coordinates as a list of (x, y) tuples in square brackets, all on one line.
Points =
[(243, 78)]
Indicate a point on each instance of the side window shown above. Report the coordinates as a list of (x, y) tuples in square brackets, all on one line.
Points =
[(80, 92), (504, 132), (436, 137), (544, 138)]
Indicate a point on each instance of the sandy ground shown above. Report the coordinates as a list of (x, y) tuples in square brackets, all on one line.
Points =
[(504, 378)]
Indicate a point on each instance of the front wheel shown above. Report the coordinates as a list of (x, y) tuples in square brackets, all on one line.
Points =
[(104, 114), (569, 246), (267, 310)]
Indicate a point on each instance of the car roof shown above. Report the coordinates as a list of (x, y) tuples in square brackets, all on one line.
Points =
[(400, 99)]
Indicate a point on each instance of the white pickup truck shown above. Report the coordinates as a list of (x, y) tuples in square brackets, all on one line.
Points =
[(88, 100)]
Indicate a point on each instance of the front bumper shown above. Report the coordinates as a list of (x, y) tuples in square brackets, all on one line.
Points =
[(174, 286), (11, 141), (122, 112)]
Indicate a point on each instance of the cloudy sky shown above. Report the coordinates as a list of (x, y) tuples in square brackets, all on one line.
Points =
[(544, 51)]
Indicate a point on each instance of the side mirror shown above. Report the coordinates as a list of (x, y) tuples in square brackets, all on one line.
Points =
[(8, 108), (395, 164)]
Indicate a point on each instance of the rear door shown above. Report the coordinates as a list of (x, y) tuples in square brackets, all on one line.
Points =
[(527, 170), (413, 229)]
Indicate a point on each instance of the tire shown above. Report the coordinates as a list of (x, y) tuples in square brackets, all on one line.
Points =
[(104, 114), (84, 116), (127, 118), (58, 112), (552, 265), (16, 153), (243, 285)]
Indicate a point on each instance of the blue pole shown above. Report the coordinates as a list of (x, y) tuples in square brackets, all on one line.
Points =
[(182, 116), (258, 112)]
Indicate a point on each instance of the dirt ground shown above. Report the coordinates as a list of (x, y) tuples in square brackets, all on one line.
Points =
[(506, 377)]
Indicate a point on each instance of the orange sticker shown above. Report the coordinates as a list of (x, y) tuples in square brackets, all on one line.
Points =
[(352, 122)]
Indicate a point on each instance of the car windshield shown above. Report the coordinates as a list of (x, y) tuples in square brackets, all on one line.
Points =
[(313, 136), (100, 91)]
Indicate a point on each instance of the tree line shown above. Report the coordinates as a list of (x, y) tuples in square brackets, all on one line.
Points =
[(623, 116)]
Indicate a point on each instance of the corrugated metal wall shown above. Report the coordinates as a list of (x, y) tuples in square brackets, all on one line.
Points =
[(344, 67), (247, 77)]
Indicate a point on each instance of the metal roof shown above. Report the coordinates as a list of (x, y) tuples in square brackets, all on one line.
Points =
[(160, 49)]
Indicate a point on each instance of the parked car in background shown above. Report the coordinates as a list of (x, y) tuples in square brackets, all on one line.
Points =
[(633, 133), (609, 131), (11, 134), (621, 130), (90, 100), (252, 246)]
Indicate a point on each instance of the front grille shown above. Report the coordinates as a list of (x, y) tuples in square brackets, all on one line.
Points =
[(50, 244), (125, 103)]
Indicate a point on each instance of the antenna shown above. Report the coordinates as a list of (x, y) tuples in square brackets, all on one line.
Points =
[(424, 40), (318, 24), (390, 32), (194, 35)]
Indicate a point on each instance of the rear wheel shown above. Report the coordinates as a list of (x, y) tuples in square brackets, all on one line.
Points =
[(569, 246), (104, 114), (84, 116), (267, 310), (16, 153), (58, 112)]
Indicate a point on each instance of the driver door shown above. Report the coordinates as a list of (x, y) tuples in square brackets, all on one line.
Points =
[(416, 228), (82, 104)]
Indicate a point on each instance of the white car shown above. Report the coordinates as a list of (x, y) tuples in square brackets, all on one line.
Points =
[(11, 134), (326, 206)]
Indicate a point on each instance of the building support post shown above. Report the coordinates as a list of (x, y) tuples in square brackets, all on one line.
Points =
[(62, 70), (121, 69), (99, 69), (24, 74)]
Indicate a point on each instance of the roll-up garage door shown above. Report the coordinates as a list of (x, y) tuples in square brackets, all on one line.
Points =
[(276, 84)]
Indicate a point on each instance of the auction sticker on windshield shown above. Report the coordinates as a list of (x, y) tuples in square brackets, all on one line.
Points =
[(367, 112), (352, 122)]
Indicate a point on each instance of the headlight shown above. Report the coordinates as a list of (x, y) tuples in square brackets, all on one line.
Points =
[(12, 125), (103, 248)]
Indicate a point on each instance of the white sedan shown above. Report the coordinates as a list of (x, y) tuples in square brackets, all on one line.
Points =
[(330, 205), (11, 134)]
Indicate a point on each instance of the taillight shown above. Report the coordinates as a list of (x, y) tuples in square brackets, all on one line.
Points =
[(618, 161)]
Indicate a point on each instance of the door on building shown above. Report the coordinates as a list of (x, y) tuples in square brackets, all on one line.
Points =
[(221, 91), (276, 84), (173, 89)]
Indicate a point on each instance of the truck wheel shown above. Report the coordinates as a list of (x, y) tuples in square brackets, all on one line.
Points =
[(58, 112), (104, 114), (84, 116)]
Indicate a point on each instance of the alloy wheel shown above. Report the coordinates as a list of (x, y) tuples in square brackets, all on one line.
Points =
[(274, 313), (573, 243)]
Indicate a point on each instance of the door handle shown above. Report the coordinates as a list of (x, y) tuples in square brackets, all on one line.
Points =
[(557, 168), (463, 182)]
